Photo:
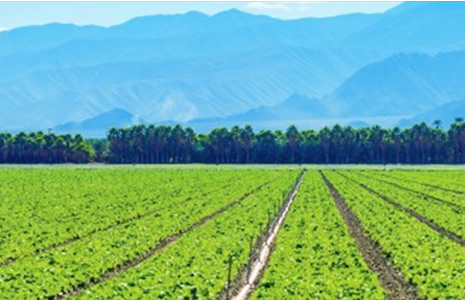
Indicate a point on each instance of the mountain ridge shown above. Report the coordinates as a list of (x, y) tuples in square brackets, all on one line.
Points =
[(193, 66)]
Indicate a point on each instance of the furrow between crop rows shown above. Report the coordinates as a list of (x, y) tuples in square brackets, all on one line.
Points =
[(48, 214), (392, 280), (424, 183), (158, 248), (452, 236), (257, 266), (110, 227), (443, 201), (198, 264)]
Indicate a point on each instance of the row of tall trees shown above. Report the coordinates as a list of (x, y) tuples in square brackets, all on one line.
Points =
[(420, 144), (37, 147)]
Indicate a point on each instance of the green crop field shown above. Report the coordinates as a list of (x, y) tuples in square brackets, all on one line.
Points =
[(232, 232)]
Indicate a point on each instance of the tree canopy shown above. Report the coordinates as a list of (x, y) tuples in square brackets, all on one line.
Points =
[(37, 147), (420, 144)]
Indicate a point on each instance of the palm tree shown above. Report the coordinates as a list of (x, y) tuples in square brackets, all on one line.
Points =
[(336, 139), (376, 138), (325, 138), (292, 135), (189, 141), (237, 142), (215, 138), (437, 124), (150, 143), (348, 137), (267, 149), (396, 137), (177, 139), (457, 138), (248, 137), (308, 140), (419, 144)]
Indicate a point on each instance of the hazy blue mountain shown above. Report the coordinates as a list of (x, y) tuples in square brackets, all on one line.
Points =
[(404, 84), (189, 24), (30, 39), (446, 113), (295, 107), (167, 29), (99, 125), (178, 89), (193, 66), (177, 67), (416, 27)]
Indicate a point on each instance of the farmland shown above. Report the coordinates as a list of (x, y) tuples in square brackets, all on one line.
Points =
[(198, 232)]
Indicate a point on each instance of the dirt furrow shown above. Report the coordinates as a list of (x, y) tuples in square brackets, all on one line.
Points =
[(247, 280), (452, 236), (425, 184), (165, 243), (73, 239), (439, 200), (390, 278)]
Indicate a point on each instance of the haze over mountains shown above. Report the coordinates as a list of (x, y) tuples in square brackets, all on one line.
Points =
[(233, 67)]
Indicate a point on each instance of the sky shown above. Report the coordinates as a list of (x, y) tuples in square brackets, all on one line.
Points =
[(107, 13)]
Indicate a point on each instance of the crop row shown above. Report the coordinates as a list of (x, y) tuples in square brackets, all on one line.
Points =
[(432, 262), (196, 265), (315, 257), (447, 217), (40, 209), (454, 180), (86, 260), (448, 196)]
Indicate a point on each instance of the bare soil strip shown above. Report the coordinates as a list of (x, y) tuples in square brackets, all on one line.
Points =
[(243, 285), (426, 184), (439, 200), (68, 241), (452, 236), (165, 243), (390, 278)]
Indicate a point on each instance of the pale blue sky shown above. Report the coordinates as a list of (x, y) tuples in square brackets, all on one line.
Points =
[(17, 14)]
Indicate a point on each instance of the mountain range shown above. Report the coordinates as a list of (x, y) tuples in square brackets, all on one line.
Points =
[(234, 67)]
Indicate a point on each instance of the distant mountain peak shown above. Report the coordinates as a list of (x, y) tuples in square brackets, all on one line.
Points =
[(236, 14), (98, 125), (195, 13), (232, 12)]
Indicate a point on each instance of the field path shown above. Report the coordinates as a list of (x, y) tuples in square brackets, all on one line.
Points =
[(260, 263), (391, 279), (152, 251)]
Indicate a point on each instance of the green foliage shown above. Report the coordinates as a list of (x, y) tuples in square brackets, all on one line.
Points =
[(197, 263), (37, 147), (421, 144), (116, 215), (67, 227), (315, 257), (426, 258)]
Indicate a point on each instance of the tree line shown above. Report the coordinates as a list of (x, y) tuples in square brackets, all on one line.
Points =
[(420, 144), (37, 147)]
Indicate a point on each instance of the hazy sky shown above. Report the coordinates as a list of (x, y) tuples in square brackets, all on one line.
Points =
[(16, 14)]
